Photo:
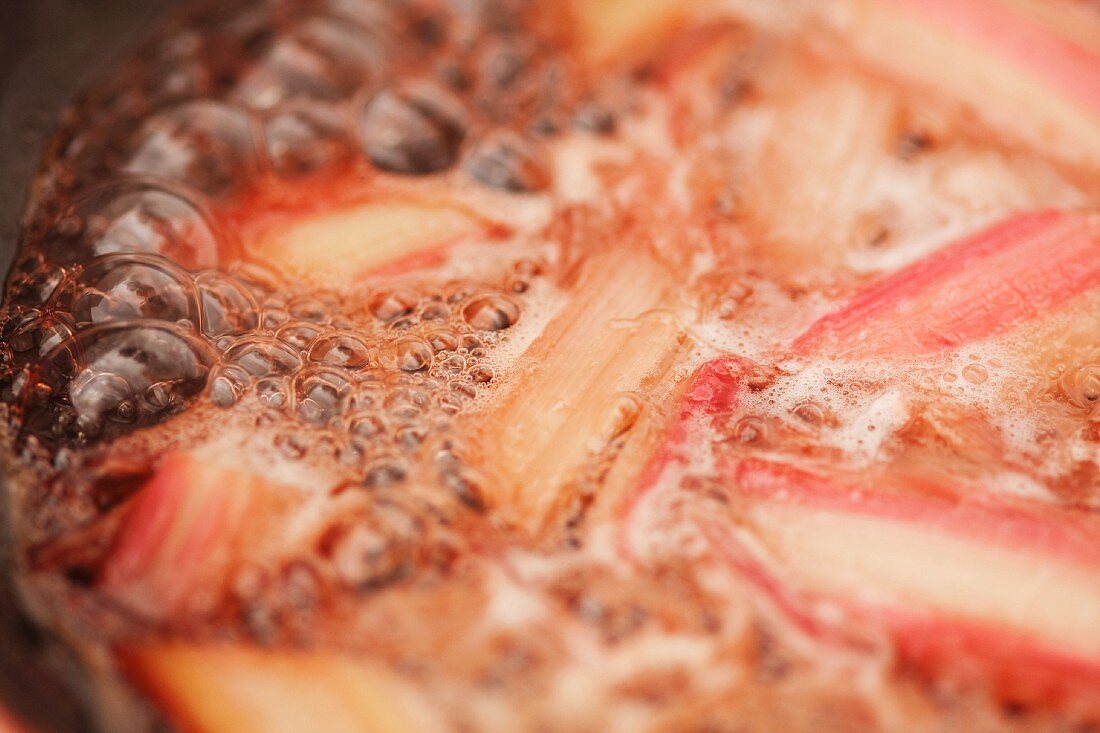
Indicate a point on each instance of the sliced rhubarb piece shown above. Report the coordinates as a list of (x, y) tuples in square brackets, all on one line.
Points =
[(980, 286), (212, 689), (612, 31), (582, 387), (812, 188), (1069, 19), (704, 72), (1041, 86), (712, 390), (334, 229), (1015, 590), (182, 532), (338, 248)]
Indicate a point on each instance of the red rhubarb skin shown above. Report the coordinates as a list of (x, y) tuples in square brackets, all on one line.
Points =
[(1054, 532), (1018, 666), (1059, 62), (141, 563), (982, 285), (713, 389)]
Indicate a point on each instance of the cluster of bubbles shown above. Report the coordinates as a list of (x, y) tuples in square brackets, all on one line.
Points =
[(120, 313), (290, 87), (125, 339), (374, 387), (117, 314)]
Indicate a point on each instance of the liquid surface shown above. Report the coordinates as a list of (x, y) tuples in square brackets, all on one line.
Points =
[(429, 284)]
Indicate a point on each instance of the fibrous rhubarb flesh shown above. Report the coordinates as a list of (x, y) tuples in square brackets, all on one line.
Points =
[(980, 286), (1013, 587), (1028, 79), (180, 532), (583, 385), (220, 687)]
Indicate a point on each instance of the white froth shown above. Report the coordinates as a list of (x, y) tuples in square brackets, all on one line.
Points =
[(510, 604)]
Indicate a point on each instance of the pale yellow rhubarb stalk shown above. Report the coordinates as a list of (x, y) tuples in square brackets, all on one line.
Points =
[(339, 248), (618, 31), (221, 688), (834, 128), (584, 384), (1033, 83)]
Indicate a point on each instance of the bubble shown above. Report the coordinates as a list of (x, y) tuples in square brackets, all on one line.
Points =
[(392, 304), (120, 287), (178, 70), (409, 437), (299, 334), (227, 305), (342, 322), (320, 394), (385, 471), (443, 340), (341, 349), (33, 282), (34, 335), (305, 139), (300, 585), (453, 365), (406, 403), (527, 267), (136, 217), (975, 373), (318, 59), (749, 430), (263, 356), (308, 309), (115, 375), (1082, 385), (450, 403), (202, 144), (458, 293), (507, 162), (403, 324), (227, 384), (482, 374), (292, 445), (811, 413), (360, 556), (367, 425), (408, 354), (368, 395), (466, 485), (273, 317), (735, 296), (435, 311), (370, 16), (594, 117), (463, 390), (491, 312), (272, 391), (504, 61), (412, 131)]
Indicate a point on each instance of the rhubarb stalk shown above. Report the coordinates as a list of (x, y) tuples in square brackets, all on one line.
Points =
[(582, 387), (217, 688), (980, 286)]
